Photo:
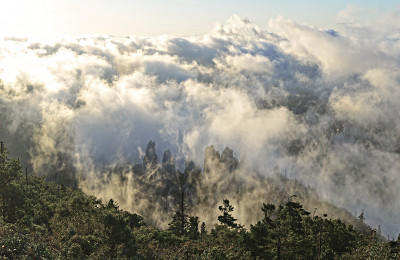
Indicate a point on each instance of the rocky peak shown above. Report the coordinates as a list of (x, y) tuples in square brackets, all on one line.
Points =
[(150, 160), (210, 158), (231, 163), (168, 162), (213, 158)]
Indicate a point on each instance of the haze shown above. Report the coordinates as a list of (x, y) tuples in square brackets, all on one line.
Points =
[(48, 18)]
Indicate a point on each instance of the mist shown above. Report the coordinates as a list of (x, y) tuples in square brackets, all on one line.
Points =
[(321, 105)]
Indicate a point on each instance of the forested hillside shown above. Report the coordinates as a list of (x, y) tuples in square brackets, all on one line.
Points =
[(44, 220)]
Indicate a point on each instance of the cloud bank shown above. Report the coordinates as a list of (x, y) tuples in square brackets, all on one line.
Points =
[(322, 105)]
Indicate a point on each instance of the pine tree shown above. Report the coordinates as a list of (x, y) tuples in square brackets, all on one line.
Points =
[(175, 226), (261, 240), (227, 219), (203, 231), (289, 233), (193, 228)]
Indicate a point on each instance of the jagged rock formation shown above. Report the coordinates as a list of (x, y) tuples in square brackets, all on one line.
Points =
[(213, 159), (168, 163), (210, 158), (227, 158), (138, 169), (150, 160)]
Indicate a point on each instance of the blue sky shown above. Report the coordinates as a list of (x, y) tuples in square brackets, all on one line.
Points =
[(153, 17)]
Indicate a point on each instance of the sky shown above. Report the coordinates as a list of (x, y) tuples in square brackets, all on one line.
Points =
[(49, 18)]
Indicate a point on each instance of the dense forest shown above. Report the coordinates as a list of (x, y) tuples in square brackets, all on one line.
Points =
[(44, 220)]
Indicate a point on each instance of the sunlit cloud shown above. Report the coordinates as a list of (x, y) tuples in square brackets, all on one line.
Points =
[(96, 101)]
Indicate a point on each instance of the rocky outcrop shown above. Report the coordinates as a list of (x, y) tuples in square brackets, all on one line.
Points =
[(138, 169), (226, 161), (168, 163), (150, 160), (227, 158), (211, 158)]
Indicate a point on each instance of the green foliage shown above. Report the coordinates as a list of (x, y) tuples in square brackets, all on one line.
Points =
[(289, 233), (203, 231), (262, 234), (226, 218), (175, 226), (230, 241), (153, 243), (118, 234), (10, 169), (371, 248), (213, 253), (11, 192), (193, 228), (43, 220), (18, 243)]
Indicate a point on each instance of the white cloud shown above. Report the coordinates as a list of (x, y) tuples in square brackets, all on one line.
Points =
[(99, 100)]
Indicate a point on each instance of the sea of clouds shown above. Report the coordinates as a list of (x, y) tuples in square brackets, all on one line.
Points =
[(322, 105)]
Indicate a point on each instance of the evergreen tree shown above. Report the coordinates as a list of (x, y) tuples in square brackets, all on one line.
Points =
[(193, 228), (203, 231), (292, 242), (261, 240), (175, 226), (226, 218), (183, 209)]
